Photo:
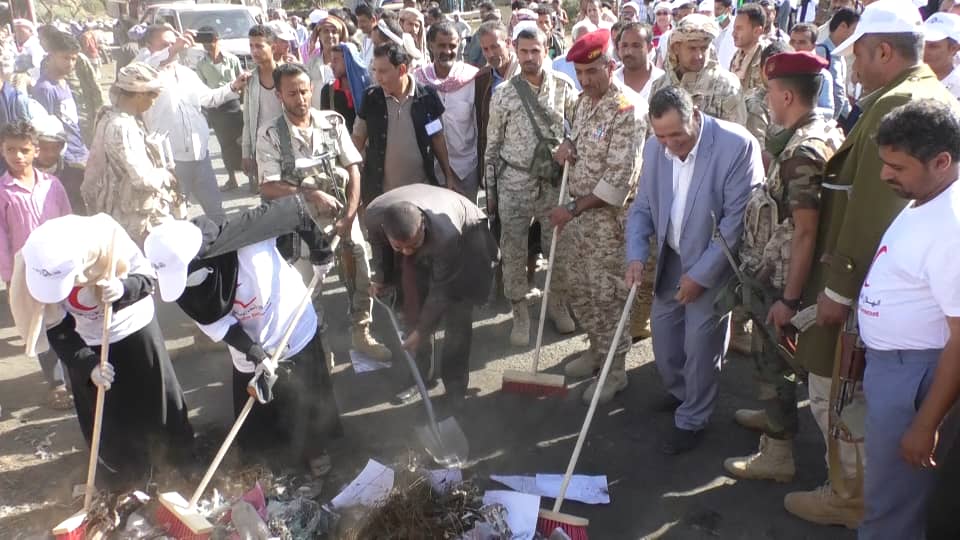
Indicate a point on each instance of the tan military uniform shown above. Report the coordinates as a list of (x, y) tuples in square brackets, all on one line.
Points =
[(758, 115), (520, 198), (746, 66), (327, 136), (715, 90), (608, 136), (125, 177)]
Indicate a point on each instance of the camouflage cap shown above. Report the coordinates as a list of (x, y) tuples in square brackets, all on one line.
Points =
[(139, 77), (695, 27)]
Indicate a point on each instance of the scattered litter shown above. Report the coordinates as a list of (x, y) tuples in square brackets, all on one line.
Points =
[(364, 364), (582, 488), (370, 488), (443, 480), (43, 448), (247, 522), (521, 511), (299, 518)]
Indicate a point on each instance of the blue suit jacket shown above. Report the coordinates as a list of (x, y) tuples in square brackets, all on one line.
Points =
[(727, 168)]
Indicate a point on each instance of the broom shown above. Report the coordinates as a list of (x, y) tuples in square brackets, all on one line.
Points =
[(74, 527), (178, 516), (576, 527), (532, 382)]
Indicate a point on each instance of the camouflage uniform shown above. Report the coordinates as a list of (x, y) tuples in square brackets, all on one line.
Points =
[(125, 177), (520, 198), (715, 90), (793, 183), (746, 66), (758, 114), (608, 137), (328, 134)]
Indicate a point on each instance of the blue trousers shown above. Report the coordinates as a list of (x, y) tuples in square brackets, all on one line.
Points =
[(197, 178), (895, 493), (688, 345)]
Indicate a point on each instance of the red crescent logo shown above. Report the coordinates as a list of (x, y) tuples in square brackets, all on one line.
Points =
[(881, 251), (74, 300)]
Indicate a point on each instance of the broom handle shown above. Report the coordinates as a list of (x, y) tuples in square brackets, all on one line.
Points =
[(546, 286), (101, 392), (277, 354), (596, 397)]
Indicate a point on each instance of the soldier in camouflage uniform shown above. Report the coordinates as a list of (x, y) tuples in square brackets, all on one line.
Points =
[(521, 197), (605, 146), (329, 163), (748, 35), (777, 249), (127, 175), (692, 65)]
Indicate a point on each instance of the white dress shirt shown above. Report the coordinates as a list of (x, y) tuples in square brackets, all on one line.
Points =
[(726, 48), (644, 93), (952, 82), (177, 110), (682, 178)]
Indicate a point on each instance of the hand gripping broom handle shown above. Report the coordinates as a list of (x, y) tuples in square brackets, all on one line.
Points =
[(101, 392), (277, 354), (546, 286), (596, 397)]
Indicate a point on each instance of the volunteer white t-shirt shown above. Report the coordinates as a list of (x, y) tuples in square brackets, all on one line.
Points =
[(87, 309), (952, 82), (269, 292), (914, 282)]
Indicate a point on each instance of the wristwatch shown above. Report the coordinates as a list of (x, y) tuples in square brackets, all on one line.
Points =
[(571, 207)]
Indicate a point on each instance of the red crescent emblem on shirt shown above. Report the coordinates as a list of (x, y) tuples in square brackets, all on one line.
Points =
[(74, 300), (881, 251)]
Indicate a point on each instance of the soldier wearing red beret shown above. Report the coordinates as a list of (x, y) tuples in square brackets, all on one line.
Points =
[(786, 212), (604, 150)]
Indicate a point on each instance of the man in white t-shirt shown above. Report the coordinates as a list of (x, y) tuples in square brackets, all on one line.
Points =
[(635, 48), (230, 279), (941, 33), (909, 316)]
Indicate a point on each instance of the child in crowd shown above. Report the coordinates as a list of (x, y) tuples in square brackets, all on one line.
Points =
[(29, 197)]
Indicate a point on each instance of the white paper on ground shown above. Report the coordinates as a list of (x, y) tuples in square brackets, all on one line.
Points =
[(522, 511), (364, 364), (369, 488), (582, 488), (442, 480)]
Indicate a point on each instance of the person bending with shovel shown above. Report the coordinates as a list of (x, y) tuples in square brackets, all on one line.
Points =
[(229, 277), (69, 272)]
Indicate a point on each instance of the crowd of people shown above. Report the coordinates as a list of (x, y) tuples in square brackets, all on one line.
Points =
[(776, 179)]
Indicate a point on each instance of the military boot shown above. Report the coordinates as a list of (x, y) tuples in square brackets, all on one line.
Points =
[(584, 365), (773, 461), (560, 315), (754, 419), (520, 333), (615, 382), (824, 506), (366, 344)]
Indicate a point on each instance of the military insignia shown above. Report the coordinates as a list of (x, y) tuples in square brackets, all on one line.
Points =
[(624, 103), (594, 54)]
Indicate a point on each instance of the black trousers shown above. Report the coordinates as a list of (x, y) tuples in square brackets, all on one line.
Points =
[(457, 323), (228, 126), (944, 503), (303, 417), (144, 414)]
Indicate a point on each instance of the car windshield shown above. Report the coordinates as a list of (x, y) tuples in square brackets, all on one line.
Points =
[(231, 24)]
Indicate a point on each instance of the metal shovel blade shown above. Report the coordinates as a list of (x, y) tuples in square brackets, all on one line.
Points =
[(447, 445)]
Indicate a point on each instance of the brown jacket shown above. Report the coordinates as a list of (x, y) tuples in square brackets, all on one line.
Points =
[(483, 84)]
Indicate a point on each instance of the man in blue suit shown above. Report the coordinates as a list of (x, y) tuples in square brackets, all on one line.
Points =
[(694, 166)]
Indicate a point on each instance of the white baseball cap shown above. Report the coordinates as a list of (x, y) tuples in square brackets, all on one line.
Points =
[(283, 30), (885, 17), (941, 26), (316, 16), (705, 7), (53, 258), (170, 247)]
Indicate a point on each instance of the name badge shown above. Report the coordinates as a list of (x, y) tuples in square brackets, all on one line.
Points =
[(434, 127)]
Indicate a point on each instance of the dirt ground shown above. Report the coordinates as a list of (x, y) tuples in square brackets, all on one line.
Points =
[(42, 454)]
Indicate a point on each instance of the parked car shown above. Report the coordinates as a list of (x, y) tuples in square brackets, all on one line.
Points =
[(232, 22)]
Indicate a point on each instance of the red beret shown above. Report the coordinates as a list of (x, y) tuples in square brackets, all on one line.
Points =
[(589, 47), (786, 64)]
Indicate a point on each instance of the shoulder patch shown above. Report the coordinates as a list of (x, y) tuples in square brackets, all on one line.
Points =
[(624, 104)]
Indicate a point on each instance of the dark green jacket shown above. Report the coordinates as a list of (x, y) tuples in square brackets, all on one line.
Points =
[(853, 222)]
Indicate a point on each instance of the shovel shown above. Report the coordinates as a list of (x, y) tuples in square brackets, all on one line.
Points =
[(445, 441)]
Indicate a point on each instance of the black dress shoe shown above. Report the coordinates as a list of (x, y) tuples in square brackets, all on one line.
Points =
[(667, 404), (680, 441)]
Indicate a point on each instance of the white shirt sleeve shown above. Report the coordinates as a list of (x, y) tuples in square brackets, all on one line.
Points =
[(944, 277)]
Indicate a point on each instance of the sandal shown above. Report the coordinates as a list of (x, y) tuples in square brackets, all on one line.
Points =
[(59, 398)]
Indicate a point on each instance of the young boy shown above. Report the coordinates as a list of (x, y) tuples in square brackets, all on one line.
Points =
[(28, 198)]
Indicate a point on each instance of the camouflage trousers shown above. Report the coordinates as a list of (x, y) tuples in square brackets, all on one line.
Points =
[(597, 291), (778, 389), (353, 267), (519, 202), (640, 316)]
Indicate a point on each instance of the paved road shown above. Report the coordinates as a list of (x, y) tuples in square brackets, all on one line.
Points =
[(652, 495)]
